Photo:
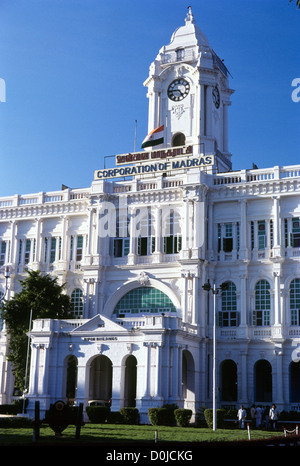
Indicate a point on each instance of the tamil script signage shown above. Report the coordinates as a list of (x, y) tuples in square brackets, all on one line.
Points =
[(153, 155), (156, 162)]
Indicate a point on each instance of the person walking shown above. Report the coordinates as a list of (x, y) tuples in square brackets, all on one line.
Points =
[(253, 413), (273, 415), (258, 414), (241, 415)]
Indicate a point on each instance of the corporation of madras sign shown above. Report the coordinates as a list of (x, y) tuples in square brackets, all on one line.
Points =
[(164, 160)]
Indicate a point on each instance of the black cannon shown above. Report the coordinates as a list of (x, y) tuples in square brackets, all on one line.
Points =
[(59, 416)]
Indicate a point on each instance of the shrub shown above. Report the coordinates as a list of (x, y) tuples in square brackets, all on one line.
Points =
[(161, 416), (15, 422), (208, 413), (115, 417), (130, 415), (98, 414), (9, 409), (183, 416)]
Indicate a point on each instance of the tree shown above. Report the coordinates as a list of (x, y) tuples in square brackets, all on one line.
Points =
[(42, 295), (297, 3)]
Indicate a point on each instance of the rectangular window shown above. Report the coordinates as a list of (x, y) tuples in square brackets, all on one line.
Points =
[(261, 318), (121, 247), (2, 253), (52, 250), (228, 239), (79, 248), (226, 236), (261, 226), (228, 319), (295, 238), (27, 251), (146, 245), (172, 244)]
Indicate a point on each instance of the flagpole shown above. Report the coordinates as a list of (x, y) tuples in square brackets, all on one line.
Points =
[(135, 136)]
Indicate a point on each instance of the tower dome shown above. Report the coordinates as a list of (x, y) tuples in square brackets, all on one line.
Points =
[(189, 34)]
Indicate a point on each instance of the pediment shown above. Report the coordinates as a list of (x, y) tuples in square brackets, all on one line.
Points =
[(98, 324)]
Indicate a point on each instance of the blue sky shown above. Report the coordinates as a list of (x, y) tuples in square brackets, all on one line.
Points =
[(74, 73)]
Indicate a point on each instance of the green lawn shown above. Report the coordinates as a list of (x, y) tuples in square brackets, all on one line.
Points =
[(109, 434)]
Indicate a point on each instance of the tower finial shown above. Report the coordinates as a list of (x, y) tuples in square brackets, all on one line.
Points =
[(189, 18)]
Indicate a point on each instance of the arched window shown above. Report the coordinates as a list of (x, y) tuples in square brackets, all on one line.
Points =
[(77, 303), (144, 300), (228, 317), (261, 314), (178, 140), (295, 301)]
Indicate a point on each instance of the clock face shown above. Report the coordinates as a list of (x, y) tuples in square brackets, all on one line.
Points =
[(178, 89), (216, 97)]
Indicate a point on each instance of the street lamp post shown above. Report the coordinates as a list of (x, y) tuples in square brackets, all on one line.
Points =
[(207, 287)]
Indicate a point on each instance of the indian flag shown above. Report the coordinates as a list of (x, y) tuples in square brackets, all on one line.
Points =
[(154, 138)]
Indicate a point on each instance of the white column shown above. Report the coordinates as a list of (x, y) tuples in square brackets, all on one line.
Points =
[(12, 242), (158, 370), (243, 395), (175, 372), (277, 319), (82, 382), (209, 113), (202, 110), (38, 240), (45, 374), (195, 319), (184, 297), (243, 230), (279, 378), (64, 238), (133, 237), (243, 298), (185, 233), (147, 369), (117, 387), (276, 247), (34, 369), (90, 233)]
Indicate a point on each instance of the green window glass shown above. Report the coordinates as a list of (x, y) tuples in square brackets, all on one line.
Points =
[(261, 234), (295, 301), (77, 303), (229, 316), (144, 300), (261, 315)]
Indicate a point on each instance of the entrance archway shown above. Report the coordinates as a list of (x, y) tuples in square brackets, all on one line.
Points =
[(188, 378), (130, 381), (263, 381), (100, 387), (294, 382), (71, 379), (229, 380)]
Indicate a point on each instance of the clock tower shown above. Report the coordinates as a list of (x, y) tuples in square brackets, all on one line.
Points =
[(189, 95)]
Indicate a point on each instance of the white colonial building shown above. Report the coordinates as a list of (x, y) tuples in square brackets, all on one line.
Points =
[(136, 248)]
